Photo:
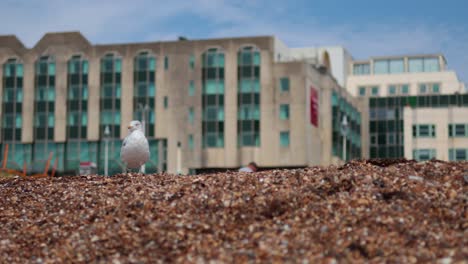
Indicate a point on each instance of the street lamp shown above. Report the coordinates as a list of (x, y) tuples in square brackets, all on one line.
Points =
[(179, 158), (144, 110), (106, 151), (344, 132)]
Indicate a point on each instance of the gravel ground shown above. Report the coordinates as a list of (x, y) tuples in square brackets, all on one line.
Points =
[(393, 211)]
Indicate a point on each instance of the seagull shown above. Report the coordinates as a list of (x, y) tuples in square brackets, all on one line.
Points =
[(135, 149)]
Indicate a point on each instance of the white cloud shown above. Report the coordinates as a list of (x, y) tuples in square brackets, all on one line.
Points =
[(109, 21)]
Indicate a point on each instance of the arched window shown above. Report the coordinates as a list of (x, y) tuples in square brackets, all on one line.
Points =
[(248, 103), (12, 121), (144, 90), (213, 98), (111, 72), (78, 149), (111, 83), (12, 100), (44, 120)]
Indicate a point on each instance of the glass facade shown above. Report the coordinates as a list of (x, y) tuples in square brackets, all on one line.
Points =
[(111, 68), (361, 69), (213, 98), (386, 120), (77, 148), (340, 108), (397, 65), (12, 104), (390, 66), (423, 65), (144, 90), (248, 96), (80, 151), (77, 98), (44, 103)]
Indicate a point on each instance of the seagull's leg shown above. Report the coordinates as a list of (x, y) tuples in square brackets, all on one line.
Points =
[(141, 170)]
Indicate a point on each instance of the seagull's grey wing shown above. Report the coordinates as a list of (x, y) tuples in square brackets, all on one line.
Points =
[(124, 144)]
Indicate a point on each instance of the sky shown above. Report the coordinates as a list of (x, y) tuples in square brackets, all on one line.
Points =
[(364, 27)]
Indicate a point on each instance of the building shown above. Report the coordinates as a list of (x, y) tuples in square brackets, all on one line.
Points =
[(417, 107), (208, 104)]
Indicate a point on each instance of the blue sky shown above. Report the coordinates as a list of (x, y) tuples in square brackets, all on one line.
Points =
[(365, 28)]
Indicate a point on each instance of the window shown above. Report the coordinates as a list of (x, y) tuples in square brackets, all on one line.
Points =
[(431, 64), (13, 101), (458, 154), (392, 89), (248, 94), (77, 100), (191, 88), (284, 138), (423, 65), (44, 99), (415, 65), (284, 112), (373, 139), (191, 115), (144, 90), (190, 141), (166, 62), (213, 98), (361, 69), (166, 102), (110, 80), (284, 84), (375, 90), (425, 88), (405, 89), (422, 88), (362, 91), (424, 130), (458, 130), (389, 66), (397, 66), (192, 62), (380, 67), (424, 154)]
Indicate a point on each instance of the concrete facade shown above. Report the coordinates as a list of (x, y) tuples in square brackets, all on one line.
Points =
[(447, 79), (309, 145), (442, 142)]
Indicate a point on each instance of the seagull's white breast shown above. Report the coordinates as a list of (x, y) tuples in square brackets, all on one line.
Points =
[(135, 150)]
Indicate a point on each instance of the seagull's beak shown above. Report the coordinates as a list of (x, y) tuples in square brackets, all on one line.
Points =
[(129, 127)]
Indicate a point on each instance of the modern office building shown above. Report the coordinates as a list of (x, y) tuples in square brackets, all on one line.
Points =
[(207, 104), (417, 107)]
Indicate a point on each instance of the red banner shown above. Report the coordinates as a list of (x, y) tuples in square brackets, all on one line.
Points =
[(314, 106)]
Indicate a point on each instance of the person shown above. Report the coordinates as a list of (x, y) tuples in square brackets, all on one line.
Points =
[(252, 167)]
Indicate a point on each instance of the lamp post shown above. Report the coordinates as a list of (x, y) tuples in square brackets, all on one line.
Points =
[(144, 110), (106, 151), (179, 158), (344, 132)]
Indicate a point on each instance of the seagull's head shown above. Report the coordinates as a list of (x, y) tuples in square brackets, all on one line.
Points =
[(134, 125)]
